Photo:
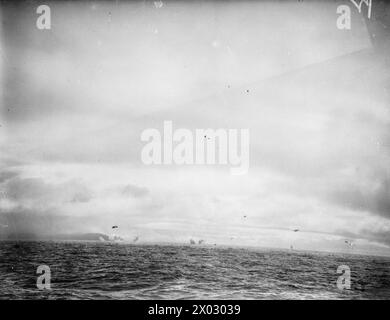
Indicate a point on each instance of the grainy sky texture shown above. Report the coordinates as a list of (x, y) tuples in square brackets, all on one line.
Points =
[(76, 98)]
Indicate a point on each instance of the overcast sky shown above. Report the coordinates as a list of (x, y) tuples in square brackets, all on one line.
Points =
[(76, 98)]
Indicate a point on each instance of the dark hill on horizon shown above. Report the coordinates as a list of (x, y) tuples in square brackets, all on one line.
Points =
[(71, 236)]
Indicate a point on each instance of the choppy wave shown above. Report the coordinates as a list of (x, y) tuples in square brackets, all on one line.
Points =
[(118, 271)]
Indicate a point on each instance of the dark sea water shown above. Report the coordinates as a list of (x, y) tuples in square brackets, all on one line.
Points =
[(119, 271)]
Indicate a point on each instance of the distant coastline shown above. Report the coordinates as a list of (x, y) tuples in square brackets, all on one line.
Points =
[(58, 237)]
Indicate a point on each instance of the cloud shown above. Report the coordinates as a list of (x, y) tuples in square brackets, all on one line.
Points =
[(135, 191), (365, 188), (6, 175), (316, 107), (375, 199), (35, 223), (379, 236), (35, 191)]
